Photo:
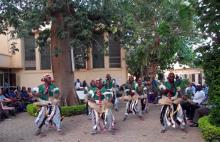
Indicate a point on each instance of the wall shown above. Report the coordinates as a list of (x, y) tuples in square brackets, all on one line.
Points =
[(7, 60), (188, 72), (33, 78)]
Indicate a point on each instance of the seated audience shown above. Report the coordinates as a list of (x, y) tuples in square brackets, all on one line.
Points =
[(191, 105)]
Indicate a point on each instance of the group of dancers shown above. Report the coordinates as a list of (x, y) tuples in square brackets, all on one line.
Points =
[(102, 97)]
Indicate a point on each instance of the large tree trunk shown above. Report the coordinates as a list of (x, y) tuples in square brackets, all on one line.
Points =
[(61, 63), (152, 70)]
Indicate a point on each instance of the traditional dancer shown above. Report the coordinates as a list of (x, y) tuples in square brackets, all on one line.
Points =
[(110, 85), (100, 102), (46, 89), (142, 93), (171, 112), (48, 104), (49, 114), (133, 105)]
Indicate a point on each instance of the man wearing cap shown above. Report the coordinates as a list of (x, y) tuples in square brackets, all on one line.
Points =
[(45, 90)]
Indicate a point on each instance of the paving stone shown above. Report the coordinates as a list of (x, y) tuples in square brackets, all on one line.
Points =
[(77, 129)]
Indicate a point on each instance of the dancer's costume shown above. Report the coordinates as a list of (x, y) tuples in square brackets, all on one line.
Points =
[(110, 85), (49, 114), (172, 114), (102, 116), (142, 93), (134, 104)]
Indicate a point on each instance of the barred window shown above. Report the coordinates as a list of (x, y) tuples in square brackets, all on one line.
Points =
[(45, 59), (29, 47), (193, 78), (114, 52), (80, 57), (200, 78), (98, 51)]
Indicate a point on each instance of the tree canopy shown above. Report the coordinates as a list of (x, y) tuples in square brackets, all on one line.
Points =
[(208, 12), (158, 32)]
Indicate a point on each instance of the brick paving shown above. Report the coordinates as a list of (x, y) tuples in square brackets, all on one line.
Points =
[(77, 129)]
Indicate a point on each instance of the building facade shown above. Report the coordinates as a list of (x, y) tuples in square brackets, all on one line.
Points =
[(27, 66), (195, 75)]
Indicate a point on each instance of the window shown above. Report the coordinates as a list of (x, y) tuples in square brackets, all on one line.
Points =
[(1, 79), (98, 51), (114, 52), (29, 47), (12, 77), (185, 76), (80, 57), (193, 78), (200, 78), (45, 59)]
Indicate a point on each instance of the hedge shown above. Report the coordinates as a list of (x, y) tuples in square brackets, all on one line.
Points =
[(65, 110), (210, 132)]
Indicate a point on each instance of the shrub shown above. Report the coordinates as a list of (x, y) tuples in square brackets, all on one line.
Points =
[(212, 74), (32, 109), (73, 110), (65, 110), (211, 133)]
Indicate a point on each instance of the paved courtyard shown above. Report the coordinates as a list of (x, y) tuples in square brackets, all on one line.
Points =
[(77, 129)]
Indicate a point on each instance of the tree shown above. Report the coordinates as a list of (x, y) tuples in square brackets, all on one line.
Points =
[(157, 33), (71, 24), (208, 12)]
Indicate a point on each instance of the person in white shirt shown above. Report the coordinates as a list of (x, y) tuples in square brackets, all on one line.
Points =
[(199, 96), (191, 105), (78, 84)]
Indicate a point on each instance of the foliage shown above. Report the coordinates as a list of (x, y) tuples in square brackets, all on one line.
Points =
[(82, 18), (184, 83), (32, 109), (160, 32), (209, 15), (73, 110), (65, 110), (210, 132)]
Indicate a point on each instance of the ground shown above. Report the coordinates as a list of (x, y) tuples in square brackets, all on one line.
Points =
[(77, 129)]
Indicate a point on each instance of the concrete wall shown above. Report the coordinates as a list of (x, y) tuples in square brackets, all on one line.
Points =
[(33, 78), (7, 60)]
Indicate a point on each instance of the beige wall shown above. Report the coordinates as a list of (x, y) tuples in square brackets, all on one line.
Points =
[(33, 78), (189, 72), (7, 60)]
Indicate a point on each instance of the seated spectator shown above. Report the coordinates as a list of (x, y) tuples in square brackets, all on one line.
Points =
[(24, 96), (200, 112), (191, 105), (3, 101), (2, 96), (190, 90), (78, 84)]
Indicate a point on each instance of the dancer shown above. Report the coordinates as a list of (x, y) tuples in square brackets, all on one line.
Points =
[(100, 102), (171, 112), (133, 105), (142, 93), (110, 85), (46, 89)]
